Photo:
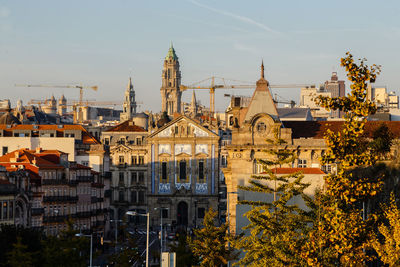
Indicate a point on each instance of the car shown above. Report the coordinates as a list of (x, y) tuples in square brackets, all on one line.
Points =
[(171, 236)]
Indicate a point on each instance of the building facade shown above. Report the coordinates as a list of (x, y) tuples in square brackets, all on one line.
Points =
[(129, 106)]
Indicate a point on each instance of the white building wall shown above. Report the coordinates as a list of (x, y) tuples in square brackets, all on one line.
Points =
[(64, 144)]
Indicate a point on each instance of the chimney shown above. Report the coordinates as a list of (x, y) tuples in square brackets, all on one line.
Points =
[(16, 154), (38, 149)]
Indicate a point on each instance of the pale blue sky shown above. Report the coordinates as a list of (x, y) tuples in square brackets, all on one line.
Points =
[(105, 42)]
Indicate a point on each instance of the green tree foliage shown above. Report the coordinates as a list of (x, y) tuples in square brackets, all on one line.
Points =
[(341, 234), (30, 238), (184, 255), (129, 253), (210, 243), (67, 249), (19, 255), (278, 228)]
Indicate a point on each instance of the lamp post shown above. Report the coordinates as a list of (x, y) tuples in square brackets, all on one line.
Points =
[(91, 246), (134, 213), (161, 217), (116, 232)]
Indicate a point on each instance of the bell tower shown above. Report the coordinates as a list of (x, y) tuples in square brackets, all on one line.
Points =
[(129, 107), (171, 81)]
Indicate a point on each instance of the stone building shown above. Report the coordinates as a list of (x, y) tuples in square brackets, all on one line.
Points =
[(58, 189), (171, 81), (129, 160), (183, 175)]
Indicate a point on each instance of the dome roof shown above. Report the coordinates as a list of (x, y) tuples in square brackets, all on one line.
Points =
[(8, 118), (140, 115)]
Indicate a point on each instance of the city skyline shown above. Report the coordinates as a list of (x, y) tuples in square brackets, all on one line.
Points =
[(60, 43)]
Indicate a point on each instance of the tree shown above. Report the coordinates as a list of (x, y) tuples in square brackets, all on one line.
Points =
[(128, 255), (67, 249), (184, 255), (341, 233), (382, 140), (387, 245), (210, 243), (278, 229), (19, 255)]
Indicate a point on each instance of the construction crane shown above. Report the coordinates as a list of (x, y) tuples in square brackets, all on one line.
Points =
[(80, 87), (213, 87)]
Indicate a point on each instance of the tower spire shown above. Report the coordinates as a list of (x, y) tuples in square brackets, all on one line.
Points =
[(130, 86), (262, 69)]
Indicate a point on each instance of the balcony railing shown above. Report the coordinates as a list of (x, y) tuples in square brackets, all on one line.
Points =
[(37, 211), (83, 214), (69, 199), (81, 178), (57, 218)]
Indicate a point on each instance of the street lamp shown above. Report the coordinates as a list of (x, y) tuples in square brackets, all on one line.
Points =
[(91, 246), (134, 213), (161, 215), (116, 232)]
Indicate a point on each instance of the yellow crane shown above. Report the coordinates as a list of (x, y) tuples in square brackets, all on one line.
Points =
[(214, 86), (80, 87)]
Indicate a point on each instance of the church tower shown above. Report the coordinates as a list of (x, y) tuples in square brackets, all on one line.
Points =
[(171, 81), (129, 107)]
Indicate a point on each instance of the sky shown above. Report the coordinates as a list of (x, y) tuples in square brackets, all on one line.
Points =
[(103, 43)]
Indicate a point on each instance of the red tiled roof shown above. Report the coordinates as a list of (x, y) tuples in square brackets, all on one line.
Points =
[(317, 129), (126, 127), (293, 170)]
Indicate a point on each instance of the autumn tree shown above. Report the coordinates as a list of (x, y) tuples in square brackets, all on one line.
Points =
[(387, 242), (341, 233), (277, 228), (210, 242)]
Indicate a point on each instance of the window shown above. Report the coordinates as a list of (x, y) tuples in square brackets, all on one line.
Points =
[(106, 141), (182, 170), (85, 163), (5, 210), (200, 213), (257, 167), (133, 197), (164, 171), (201, 170), (134, 160), (141, 197), (141, 160), (133, 177), (121, 159), (5, 150), (139, 141), (141, 177), (121, 196), (122, 141), (121, 177), (302, 163), (164, 213), (223, 161)]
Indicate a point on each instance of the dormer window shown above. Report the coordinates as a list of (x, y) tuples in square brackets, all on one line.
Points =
[(261, 127)]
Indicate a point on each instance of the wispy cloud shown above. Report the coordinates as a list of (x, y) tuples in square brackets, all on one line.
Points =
[(237, 17), (246, 48)]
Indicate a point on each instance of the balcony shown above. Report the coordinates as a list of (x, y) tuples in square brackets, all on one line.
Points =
[(107, 175), (83, 214), (54, 182), (84, 179), (37, 211), (55, 219), (66, 199)]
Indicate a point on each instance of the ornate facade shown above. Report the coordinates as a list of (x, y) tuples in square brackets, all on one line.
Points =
[(129, 106)]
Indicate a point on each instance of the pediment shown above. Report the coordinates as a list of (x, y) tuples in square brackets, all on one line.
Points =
[(121, 148), (182, 154), (201, 154), (172, 127)]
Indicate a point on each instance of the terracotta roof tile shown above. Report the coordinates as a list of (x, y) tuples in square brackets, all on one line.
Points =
[(293, 170), (126, 127)]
